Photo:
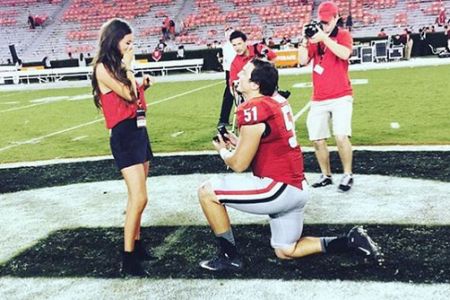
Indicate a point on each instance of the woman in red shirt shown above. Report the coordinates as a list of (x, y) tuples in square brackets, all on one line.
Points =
[(123, 104)]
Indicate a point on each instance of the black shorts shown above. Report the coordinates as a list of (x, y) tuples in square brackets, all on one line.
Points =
[(130, 145)]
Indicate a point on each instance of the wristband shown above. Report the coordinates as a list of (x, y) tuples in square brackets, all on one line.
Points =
[(224, 153)]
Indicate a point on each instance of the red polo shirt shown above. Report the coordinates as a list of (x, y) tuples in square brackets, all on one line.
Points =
[(240, 60), (333, 82)]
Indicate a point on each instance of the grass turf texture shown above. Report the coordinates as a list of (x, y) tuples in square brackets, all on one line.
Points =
[(413, 254), (416, 98)]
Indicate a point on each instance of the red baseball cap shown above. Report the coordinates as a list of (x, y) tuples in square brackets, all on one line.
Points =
[(327, 10)]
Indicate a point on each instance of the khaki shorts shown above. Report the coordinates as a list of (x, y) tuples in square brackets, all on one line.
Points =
[(338, 110)]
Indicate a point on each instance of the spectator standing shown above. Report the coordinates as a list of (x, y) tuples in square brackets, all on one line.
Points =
[(440, 20), (447, 34), (349, 22), (165, 28), (82, 60), (161, 45), (180, 52), (382, 34), (172, 29), (30, 21), (408, 43), (227, 99)]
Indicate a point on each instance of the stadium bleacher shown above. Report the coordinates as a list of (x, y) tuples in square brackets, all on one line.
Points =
[(72, 25)]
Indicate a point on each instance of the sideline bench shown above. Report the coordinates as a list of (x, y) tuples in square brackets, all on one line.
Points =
[(58, 74)]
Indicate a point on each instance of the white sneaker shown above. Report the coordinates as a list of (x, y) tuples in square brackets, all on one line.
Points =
[(346, 182)]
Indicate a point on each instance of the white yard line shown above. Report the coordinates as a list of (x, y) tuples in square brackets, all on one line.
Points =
[(40, 138), (7, 95), (185, 93), (302, 111), (37, 102), (22, 107)]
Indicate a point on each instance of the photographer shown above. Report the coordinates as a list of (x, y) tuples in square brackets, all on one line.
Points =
[(268, 144), (329, 47)]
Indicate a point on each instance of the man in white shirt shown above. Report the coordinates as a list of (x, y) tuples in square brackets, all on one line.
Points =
[(228, 57)]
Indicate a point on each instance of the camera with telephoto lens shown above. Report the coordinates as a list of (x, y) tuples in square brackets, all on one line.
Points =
[(222, 130), (312, 28)]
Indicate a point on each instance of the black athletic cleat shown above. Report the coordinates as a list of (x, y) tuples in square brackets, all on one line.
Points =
[(222, 263), (360, 241), (346, 183), (323, 181)]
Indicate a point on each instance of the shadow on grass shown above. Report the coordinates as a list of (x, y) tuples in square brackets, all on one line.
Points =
[(413, 254)]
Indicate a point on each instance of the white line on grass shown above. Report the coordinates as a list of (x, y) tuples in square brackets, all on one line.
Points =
[(47, 100), (302, 111), (7, 95), (304, 85), (185, 93), (21, 107), (38, 139)]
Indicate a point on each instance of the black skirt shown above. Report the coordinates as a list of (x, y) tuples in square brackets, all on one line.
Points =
[(130, 145)]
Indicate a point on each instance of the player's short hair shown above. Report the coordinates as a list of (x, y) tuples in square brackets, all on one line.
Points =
[(238, 34), (265, 75)]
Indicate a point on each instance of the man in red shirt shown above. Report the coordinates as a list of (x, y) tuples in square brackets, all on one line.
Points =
[(268, 144), (441, 17), (245, 53), (330, 50)]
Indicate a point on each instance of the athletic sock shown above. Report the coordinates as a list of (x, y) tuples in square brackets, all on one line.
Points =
[(227, 244), (228, 235), (334, 244)]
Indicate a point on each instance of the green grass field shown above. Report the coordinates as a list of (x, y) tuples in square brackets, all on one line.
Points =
[(416, 98)]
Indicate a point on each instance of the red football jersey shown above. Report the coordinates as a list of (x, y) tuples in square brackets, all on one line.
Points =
[(279, 155)]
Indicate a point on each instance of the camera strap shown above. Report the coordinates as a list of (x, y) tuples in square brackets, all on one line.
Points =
[(141, 120), (321, 48)]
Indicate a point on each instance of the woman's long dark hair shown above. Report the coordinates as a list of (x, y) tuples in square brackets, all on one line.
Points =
[(111, 33)]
